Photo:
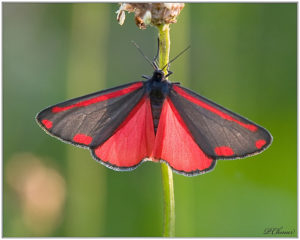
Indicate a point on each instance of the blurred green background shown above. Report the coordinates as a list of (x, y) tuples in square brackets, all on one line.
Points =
[(243, 56)]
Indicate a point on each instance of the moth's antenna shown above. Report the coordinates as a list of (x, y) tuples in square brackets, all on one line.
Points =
[(141, 52), (176, 57)]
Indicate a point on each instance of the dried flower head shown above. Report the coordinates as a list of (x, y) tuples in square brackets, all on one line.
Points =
[(150, 13)]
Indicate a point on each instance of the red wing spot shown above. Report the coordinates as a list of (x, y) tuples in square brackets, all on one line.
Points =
[(260, 143), (213, 109), (224, 151), (82, 138), (47, 123), (100, 98)]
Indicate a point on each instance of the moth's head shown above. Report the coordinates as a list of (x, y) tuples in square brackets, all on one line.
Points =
[(158, 75)]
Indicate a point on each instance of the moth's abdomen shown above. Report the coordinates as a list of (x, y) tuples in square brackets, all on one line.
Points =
[(156, 99)]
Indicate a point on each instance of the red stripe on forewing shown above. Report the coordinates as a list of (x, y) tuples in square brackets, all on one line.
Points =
[(212, 109), (175, 144), (85, 103), (82, 138), (133, 140)]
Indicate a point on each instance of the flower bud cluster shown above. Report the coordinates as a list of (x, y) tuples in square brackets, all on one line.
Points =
[(150, 13)]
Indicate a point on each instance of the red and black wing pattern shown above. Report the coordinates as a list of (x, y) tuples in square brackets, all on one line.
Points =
[(220, 133), (90, 121), (117, 126), (132, 141), (175, 145)]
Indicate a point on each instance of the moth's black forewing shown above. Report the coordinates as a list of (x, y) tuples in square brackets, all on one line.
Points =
[(97, 121), (211, 131)]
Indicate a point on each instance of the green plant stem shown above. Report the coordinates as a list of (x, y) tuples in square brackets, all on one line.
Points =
[(164, 45), (167, 174)]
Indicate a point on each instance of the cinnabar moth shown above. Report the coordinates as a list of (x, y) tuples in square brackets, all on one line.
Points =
[(154, 120)]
